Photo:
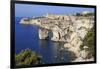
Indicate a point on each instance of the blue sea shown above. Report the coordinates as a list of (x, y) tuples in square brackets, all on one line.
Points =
[(26, 36)]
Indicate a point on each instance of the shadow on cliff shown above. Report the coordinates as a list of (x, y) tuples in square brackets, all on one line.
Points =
[(50, 35), (72, 56)]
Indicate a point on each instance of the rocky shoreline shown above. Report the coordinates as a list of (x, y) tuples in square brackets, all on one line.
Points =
[(70, 29)]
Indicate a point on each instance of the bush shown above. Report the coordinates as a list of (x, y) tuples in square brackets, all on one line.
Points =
[(89, 41), (27, 57)]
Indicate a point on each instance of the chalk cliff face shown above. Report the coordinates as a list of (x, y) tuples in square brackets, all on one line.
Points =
[(69, 29)]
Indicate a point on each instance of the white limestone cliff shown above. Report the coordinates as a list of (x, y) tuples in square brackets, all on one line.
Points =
[(69, 29)]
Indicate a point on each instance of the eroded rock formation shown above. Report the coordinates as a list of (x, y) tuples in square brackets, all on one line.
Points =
[(69, 29)]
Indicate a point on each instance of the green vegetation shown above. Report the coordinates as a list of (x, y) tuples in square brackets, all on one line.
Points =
[(88, 14), (90, 42), (27, 57)]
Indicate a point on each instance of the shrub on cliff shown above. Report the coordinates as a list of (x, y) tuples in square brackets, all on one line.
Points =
[(89, 41), (27, 57)]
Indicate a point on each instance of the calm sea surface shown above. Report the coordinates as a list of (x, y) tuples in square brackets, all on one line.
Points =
[(26, 36)]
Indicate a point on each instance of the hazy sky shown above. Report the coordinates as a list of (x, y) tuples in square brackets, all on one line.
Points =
[(26, 10)]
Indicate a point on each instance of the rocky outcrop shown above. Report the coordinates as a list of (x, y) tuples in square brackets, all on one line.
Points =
[(43, 33), (80, 59), (73, 44), (84, 56), (62, 25), (25, 21), (69, 29)]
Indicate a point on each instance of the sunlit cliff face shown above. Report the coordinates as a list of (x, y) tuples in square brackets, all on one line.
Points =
[(69, 29)]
